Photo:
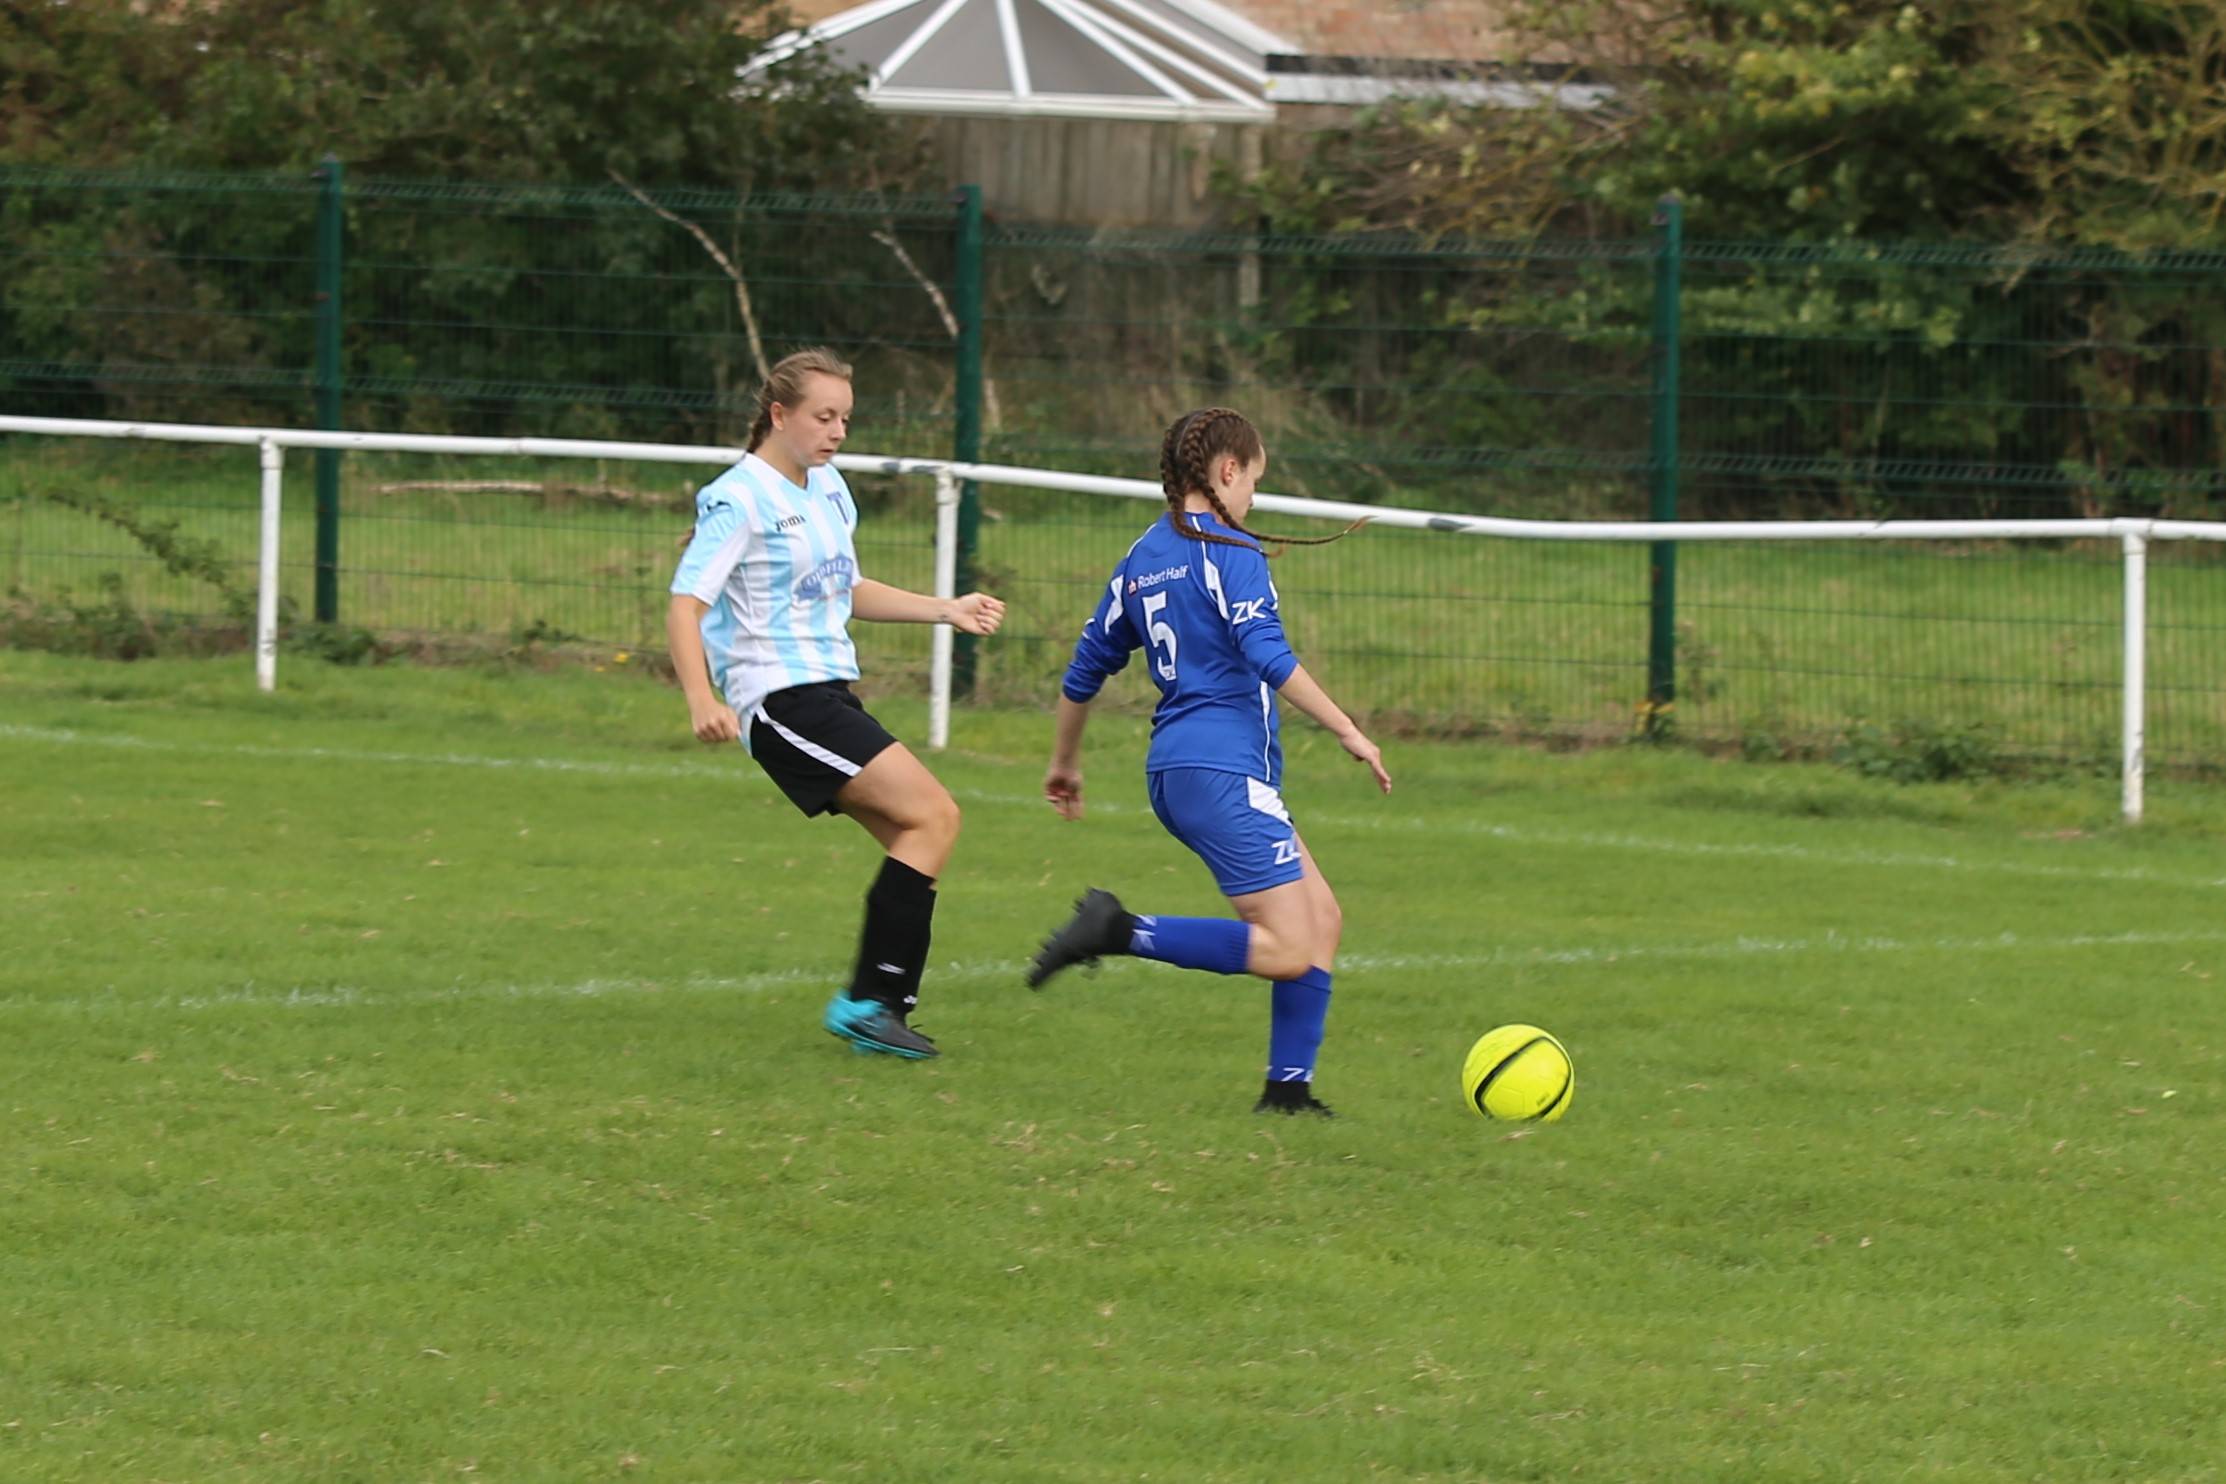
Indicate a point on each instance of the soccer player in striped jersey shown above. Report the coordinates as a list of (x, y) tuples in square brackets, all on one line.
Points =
[(760, 608), (1195, 594)]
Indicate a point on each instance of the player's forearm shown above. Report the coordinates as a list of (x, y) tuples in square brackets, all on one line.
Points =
[(684, 638), (877, 602), (1066, 732), (1304, 692)]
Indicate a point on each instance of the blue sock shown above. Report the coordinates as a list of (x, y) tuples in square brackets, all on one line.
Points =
[(1217, 944), (1298, 1009)]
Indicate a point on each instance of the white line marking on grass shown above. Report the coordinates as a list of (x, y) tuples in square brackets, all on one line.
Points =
[(254, 997), (1513, 834), (64, 736), (1891, 860), (1743, 947), (344, 997)]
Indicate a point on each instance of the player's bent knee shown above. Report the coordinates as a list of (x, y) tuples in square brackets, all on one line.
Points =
[(1274, 958), (943, 816)]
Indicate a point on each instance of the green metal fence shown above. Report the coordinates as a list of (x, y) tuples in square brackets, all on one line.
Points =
[(1653, 376), (461, 307)]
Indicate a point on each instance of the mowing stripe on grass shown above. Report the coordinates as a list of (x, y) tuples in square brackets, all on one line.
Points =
[(250, 996), (1637, 844)]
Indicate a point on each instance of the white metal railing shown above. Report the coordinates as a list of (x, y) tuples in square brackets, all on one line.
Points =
[(2133, 535)]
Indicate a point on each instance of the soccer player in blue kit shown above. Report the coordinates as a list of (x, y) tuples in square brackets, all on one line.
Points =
[(1194, 592)]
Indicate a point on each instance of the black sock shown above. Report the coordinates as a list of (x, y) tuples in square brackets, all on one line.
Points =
[(893, 945)]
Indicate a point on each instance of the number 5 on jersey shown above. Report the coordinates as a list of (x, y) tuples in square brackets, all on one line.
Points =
[(1161, 634)]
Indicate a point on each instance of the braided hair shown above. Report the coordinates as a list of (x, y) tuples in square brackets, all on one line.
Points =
[(785, 384), (1186, 459)]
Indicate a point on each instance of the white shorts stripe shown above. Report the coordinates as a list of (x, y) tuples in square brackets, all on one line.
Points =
[(813, 750), (1265, 799), (1267, 728)]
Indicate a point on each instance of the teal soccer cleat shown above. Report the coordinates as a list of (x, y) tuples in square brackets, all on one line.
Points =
[(873, 1028)]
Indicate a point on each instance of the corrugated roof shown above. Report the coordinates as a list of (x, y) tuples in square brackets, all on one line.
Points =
[(1175, 59)]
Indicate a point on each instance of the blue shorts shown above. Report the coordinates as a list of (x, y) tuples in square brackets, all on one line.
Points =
[(1237, 825)]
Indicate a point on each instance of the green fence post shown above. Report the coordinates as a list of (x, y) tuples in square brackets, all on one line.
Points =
[(966, 435), (1661, 644), (332, 177)]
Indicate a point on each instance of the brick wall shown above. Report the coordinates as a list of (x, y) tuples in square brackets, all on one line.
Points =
[(1458, 30), (807, 12)]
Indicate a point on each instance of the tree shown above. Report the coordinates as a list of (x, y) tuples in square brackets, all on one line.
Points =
[(538, 90), (2120, 126), (189, 296), (1818, 370), (1815, 119), (2094, 121)]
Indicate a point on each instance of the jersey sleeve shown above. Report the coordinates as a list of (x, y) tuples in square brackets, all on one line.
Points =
[(713, 551), (1254, 620), (1108, 639)]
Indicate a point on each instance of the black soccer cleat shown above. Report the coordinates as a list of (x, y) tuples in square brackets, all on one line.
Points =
[(1291, 1107), (1100, 925)]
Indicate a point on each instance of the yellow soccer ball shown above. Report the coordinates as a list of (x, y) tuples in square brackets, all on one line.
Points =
[(1520, 1074)]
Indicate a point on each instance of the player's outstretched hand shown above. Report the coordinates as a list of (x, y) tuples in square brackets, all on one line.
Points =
[(977, 613), (1357, 743), (1062, 787), (714, 722)]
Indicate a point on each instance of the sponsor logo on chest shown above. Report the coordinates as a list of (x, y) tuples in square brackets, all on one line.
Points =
[(826, 580)]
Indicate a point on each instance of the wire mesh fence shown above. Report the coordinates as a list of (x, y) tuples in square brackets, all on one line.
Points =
[(610, 311), (1950, 381), (2009, 653), (1452, 377), (1502, 378), (2002, 652)]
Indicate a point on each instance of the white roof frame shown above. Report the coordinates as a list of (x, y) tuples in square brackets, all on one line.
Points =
[(1221, 56), (1221, 18), (1105, 29), (1212, 70), (1062, 105), (912, 44)]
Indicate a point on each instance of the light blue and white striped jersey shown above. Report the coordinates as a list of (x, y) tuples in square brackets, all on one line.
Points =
[(776, 563)]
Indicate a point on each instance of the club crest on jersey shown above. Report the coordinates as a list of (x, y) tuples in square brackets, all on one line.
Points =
[(825, 580)]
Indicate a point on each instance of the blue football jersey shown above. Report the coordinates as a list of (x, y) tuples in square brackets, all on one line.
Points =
[(1206, 616)]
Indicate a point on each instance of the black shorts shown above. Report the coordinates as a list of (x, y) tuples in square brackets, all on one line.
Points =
[(813, 739)]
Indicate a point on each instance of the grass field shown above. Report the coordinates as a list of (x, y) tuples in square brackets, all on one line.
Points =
[(1779, 646), (414, 1075)]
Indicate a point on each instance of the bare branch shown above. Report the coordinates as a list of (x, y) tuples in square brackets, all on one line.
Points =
[(887, 237), (934, 291), (726, 265)]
